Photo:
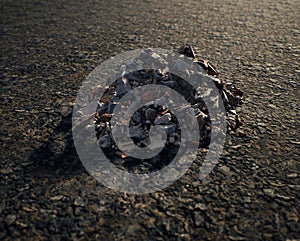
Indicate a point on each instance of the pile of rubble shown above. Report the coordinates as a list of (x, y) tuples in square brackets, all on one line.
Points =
[(156, 113)]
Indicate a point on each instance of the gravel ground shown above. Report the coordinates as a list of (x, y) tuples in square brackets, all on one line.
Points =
[(47, 50)]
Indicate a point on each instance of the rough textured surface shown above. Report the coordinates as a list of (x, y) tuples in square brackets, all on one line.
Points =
[(48, 48)]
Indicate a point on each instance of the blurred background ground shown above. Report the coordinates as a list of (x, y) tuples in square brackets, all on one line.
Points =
[(47, 50)]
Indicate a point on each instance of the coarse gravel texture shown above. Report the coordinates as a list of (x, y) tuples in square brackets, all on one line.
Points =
[(47, 50)]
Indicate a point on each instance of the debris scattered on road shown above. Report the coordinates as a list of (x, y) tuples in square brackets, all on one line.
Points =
[(155, 112)]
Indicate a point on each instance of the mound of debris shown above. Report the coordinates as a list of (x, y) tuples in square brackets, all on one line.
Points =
[(156, 113)]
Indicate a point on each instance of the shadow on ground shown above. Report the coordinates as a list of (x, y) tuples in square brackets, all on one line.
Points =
[(58, 155)]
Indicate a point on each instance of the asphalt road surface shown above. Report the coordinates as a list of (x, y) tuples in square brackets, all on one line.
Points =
[(47, 50)]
